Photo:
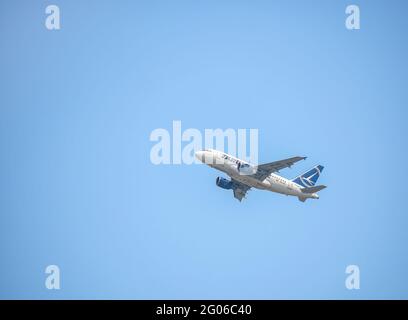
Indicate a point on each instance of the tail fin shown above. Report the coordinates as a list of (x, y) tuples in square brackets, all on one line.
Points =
[(309, 178)]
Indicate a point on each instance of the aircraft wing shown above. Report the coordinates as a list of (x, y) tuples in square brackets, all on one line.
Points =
[(240, 189), (264, 170)]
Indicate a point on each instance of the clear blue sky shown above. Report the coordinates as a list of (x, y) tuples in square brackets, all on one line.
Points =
[(77, 187)]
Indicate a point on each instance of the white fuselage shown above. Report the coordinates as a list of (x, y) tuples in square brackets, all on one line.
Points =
[(275, 183)]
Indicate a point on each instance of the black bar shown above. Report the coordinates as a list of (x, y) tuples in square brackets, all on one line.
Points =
[(205, 309)]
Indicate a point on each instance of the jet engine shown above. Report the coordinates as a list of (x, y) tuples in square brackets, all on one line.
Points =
[(224, 183)]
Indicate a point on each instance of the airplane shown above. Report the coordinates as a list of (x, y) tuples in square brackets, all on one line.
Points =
[(245, 176)]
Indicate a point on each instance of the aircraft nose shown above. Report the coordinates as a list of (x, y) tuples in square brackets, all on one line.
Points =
[(200, 155)]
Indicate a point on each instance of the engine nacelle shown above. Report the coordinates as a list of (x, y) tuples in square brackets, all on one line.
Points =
[(224, 183)]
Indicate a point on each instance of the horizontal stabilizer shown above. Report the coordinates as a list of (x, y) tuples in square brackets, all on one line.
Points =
[(313, 189)]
